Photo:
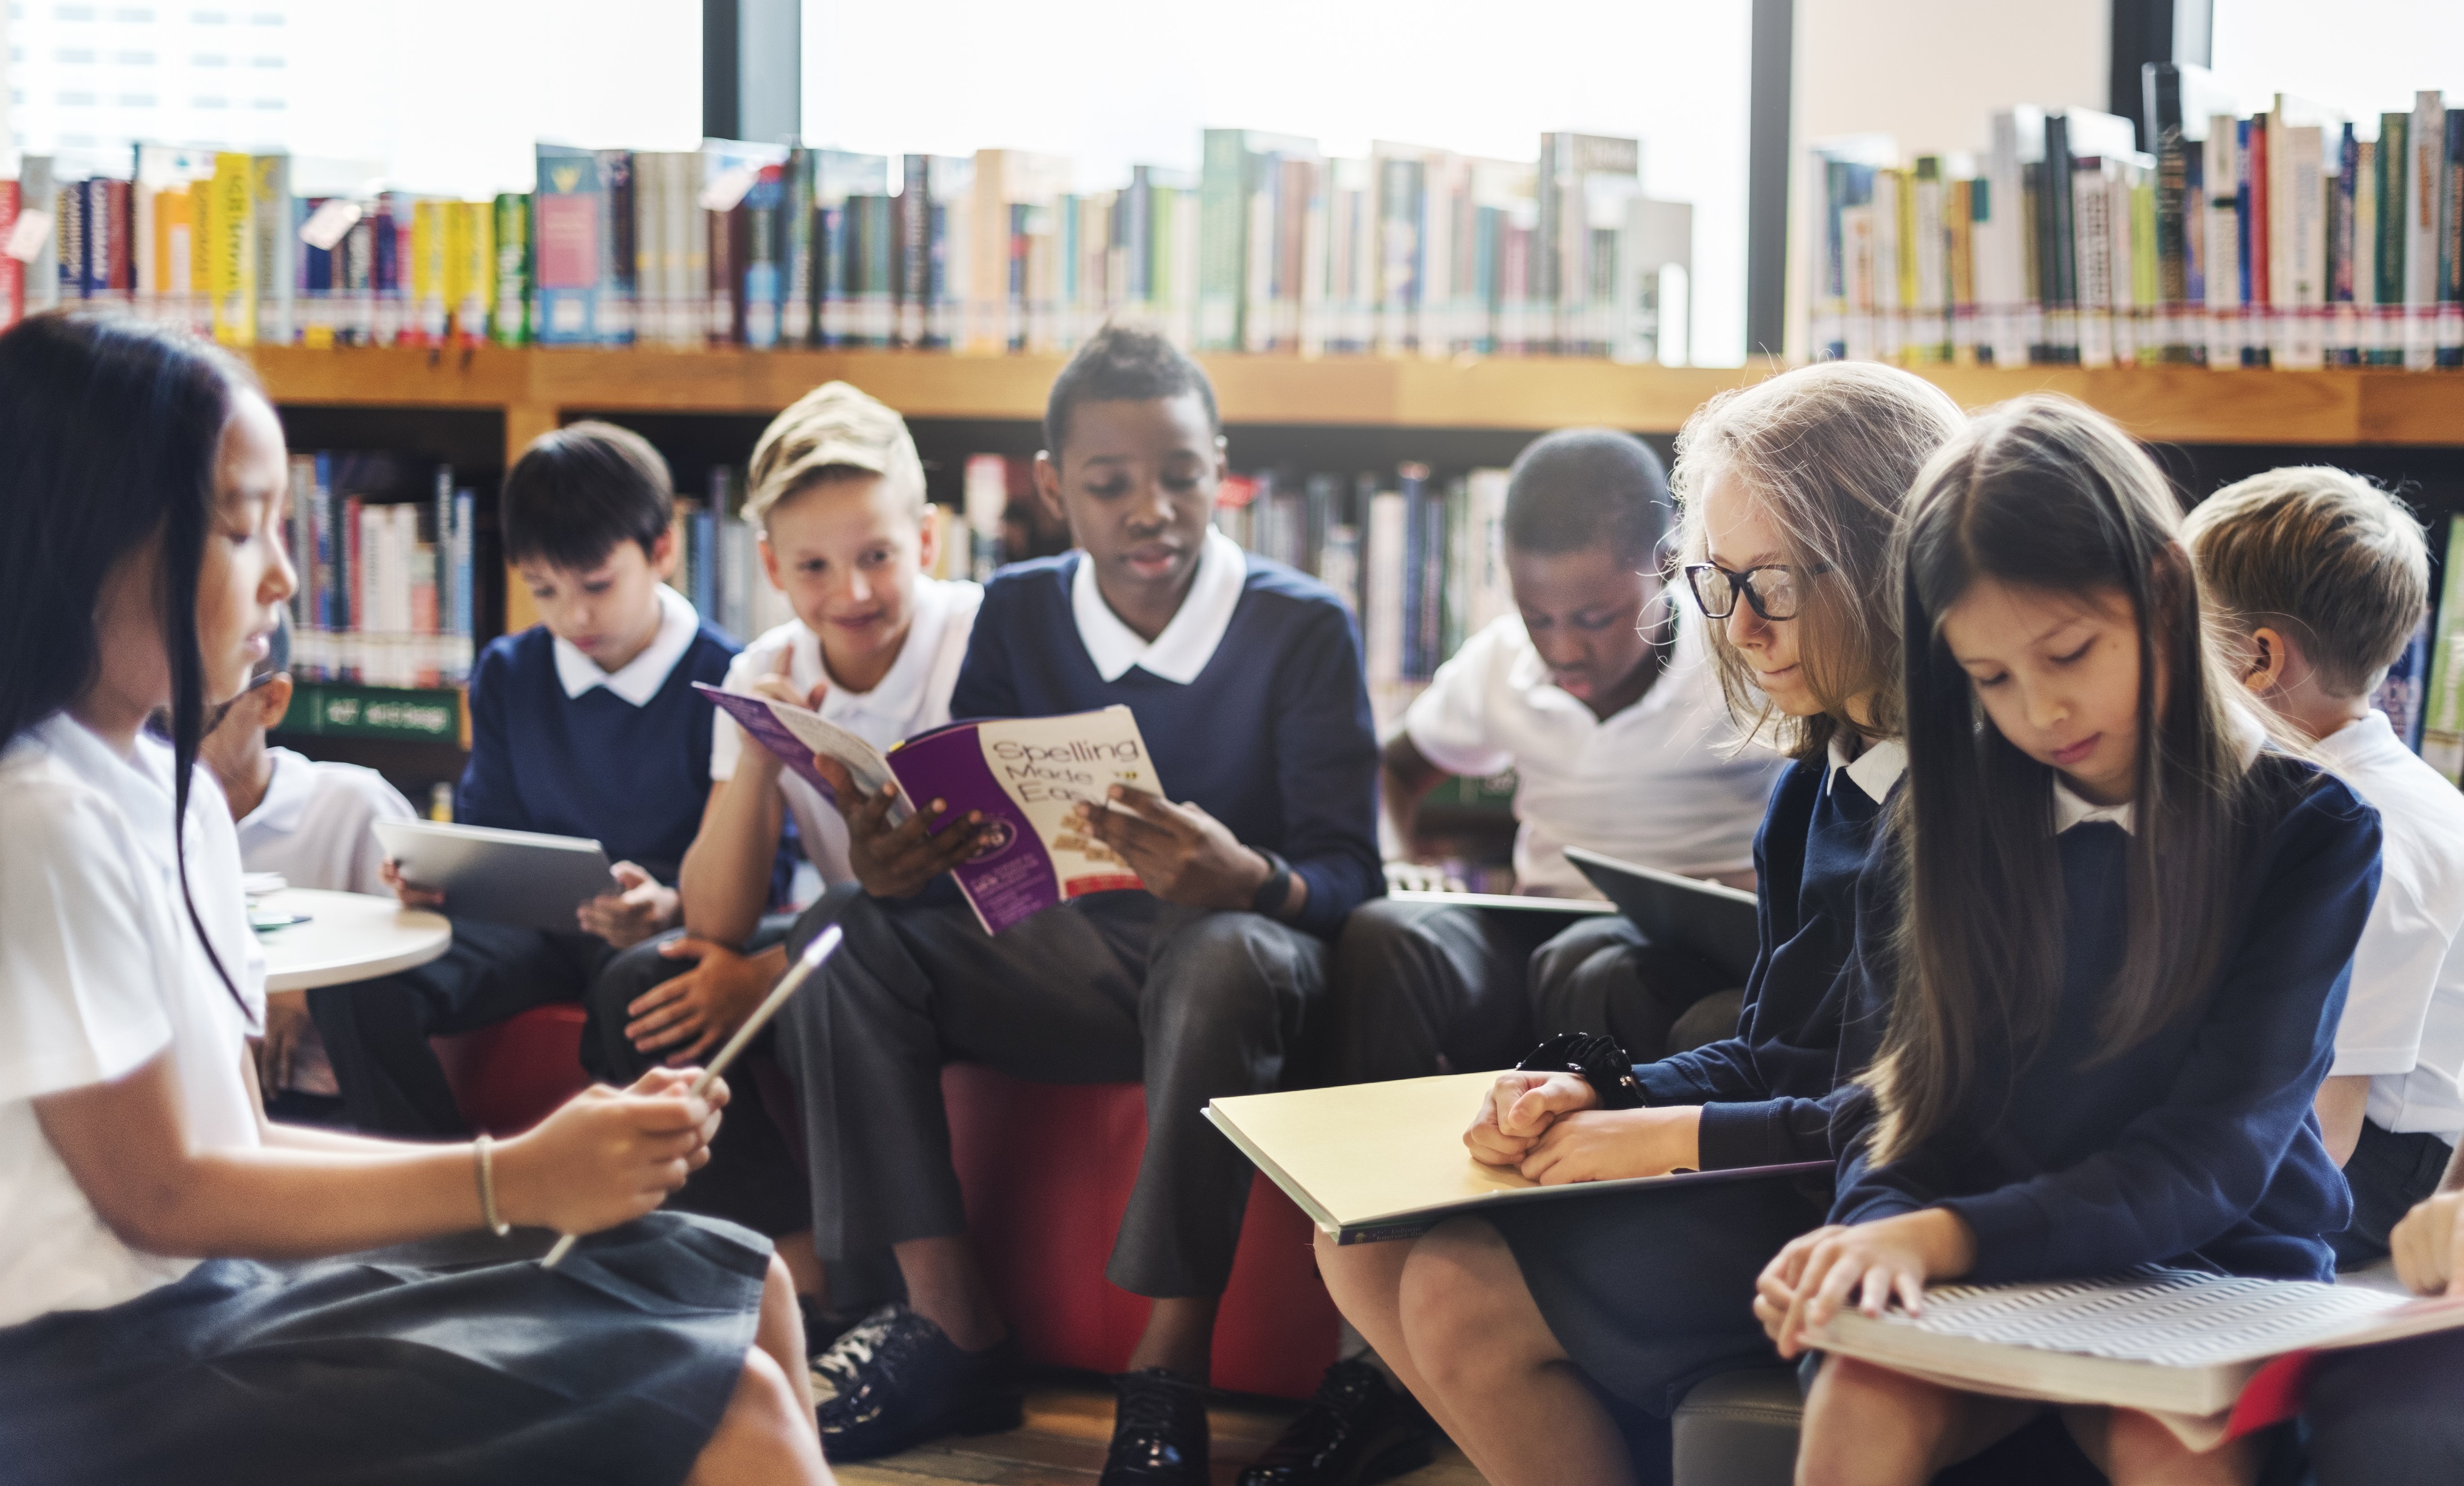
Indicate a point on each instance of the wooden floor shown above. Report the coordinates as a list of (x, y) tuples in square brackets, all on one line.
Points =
[(1068, 1425)]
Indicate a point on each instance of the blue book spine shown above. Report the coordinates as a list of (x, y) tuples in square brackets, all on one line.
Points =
[(704, 574), (566, 257), (465, 507), (329, 589)]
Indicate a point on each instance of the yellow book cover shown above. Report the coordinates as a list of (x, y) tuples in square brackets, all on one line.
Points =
[(1914, 338), (471, 268), (231, 267), (1959, 218)]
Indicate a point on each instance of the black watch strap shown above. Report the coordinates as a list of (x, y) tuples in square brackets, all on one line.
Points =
[(1277, 890), (1594, 1057)]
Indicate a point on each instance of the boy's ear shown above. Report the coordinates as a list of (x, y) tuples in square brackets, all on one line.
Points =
[(662, 554), (2265, 660), (1048, 491), (928, 538), (769, 558), (273, 700)]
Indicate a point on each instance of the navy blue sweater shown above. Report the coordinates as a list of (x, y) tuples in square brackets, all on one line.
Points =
[(1273, 738), (635, 778), (1769, 1093), (2197, 1147)]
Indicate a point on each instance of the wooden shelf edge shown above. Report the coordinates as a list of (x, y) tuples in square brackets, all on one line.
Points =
[(2184, 404)]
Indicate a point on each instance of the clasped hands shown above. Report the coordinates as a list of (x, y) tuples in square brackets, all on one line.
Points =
[(1550, 1127)]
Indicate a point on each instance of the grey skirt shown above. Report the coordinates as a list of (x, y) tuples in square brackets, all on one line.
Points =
[(456, 1360)]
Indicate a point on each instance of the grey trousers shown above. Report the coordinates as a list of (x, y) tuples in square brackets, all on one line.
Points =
[(1195, 1003), (1424, 988)]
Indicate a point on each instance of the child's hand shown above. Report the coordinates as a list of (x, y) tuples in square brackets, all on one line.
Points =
[(1864, 1265), (602, 1158), (1182, 854), (2429, 1245), (646, 906), (411, 894), (897, 860), (1516, 1109), (286, 1022), (763, 764), (1606, 1145), (693, 1012), (662, 1081)]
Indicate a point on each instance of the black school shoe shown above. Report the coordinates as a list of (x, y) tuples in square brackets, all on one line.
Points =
[(1358, 1427), (896, 1381), (1159, 1430)]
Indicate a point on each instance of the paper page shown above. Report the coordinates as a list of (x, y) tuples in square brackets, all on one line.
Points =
[(796, 734)]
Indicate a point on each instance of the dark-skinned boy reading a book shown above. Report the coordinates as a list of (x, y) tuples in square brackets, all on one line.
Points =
[(1244, 677)]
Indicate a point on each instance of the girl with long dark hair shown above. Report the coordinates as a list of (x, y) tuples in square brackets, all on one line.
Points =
[(188, 1292), (2113, 949)]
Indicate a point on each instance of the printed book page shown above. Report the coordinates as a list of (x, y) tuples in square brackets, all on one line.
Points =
[(796, 734)]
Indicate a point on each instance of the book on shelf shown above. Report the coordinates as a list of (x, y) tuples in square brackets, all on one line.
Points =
[(2212, 1356), (2288, 237), (2442, 712), (387, 579), (1371, 1161)]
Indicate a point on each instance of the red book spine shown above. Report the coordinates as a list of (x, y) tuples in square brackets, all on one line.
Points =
[(12, 274)]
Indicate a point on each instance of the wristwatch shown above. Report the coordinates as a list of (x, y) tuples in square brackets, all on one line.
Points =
[(1596, 1059), (1277, 890)]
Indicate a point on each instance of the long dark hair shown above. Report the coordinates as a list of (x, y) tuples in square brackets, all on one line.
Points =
[(109, 433), (2043, 493)]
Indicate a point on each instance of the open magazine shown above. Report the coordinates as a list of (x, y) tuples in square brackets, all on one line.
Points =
[(1027, 774)]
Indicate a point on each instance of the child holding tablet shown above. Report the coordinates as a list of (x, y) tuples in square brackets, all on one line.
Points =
[(2114, 972), (1505, 1327), (183, 1294)]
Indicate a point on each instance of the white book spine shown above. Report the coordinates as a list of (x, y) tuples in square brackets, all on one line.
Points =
[(2425, 185)]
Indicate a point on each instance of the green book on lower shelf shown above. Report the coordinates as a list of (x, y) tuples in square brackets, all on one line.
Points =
[(330, 708)]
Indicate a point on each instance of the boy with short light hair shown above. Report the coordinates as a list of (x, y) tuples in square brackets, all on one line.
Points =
[(2324, 578)]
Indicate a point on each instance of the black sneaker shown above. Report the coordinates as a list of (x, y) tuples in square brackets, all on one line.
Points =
[(1159, 1430), (823, 1326), (1358, 1427), (894, 1381)]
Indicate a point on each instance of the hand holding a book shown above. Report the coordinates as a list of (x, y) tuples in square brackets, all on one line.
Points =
[(645, 907), (2429, 1245), (411, 894), (774, 686), (1518, 1110), (1862, 1264), (1182, 854), (897, 860)]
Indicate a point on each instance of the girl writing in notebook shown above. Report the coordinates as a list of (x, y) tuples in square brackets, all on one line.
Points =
[(1504, 1326), (2112, 960), (185, 1289)]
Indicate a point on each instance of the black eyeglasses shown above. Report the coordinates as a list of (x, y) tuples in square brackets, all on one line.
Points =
[(1771, 590)]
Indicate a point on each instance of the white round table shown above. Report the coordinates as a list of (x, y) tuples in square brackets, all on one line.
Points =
[(348, 936)]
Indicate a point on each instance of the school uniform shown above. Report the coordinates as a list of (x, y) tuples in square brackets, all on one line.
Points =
[(1631, 1286), (423, 1363), (561, 745), (2197, 1147), (1664, 782), (1252, 704), (2404, 1019), (313, 824), (753, 1175)]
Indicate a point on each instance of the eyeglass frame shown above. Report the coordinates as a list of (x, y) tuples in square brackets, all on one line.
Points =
[(1743, 582)]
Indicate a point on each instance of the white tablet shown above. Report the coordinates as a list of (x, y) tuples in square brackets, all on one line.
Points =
[(502, 877)]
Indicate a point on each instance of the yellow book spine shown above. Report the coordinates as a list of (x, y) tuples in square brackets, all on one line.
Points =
[(428, 271), (230, 269), (479, 297)]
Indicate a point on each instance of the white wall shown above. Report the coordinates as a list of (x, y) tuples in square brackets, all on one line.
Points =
[(1930, 73)]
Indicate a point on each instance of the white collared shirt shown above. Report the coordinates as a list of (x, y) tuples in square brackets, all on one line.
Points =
[(1188, 642), (639, 679), (1661, 782), (313, 824), (2404, 1016), (1873, 772), (914, 695), (99, 971)]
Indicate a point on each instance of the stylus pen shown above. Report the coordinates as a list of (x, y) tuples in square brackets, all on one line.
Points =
[(824, 943)]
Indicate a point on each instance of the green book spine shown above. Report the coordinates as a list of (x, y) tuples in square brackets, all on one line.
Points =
[(509, 324), (2442, 728), (2391, 178), (1222, 239)]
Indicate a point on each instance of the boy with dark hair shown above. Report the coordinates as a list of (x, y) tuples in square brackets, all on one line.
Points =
[(586, 724), (1246, 683), (2324, 578)]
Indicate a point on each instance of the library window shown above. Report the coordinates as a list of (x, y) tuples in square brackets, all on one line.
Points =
[(265, 62), (76, 101), (135, 58), (73, 13), (208, 59), (129, 15), (207, 17), (137, 100), (76, 57), (209, 102), (269, 105), (2265, 47)]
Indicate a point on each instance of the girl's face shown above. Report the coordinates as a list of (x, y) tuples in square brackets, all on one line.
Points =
[(846, 553), (1741, 536), (246, 573), (2058, 674), (1137, 484)]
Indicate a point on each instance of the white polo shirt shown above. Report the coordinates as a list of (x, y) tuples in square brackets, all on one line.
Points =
[(1659, 783), (99, 970), (2404, 1016), (914, 696), (313, 824)]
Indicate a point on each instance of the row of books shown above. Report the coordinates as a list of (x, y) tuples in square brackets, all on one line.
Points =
[(385, 592), (2290, 238), (1270, 247), (718, 560)]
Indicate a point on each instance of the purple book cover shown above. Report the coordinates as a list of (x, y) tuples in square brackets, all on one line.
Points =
[(761, 719)]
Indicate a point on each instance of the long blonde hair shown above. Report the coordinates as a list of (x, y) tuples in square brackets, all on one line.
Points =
[(1830, 450)]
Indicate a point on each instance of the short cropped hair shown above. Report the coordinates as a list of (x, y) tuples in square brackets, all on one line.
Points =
[(580, 490), (1123, 363), (2322, 554), (1582, 488), (834, 433)]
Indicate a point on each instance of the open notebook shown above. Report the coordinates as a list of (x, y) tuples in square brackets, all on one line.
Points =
[(2214, 1356), (1371, 1161)]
